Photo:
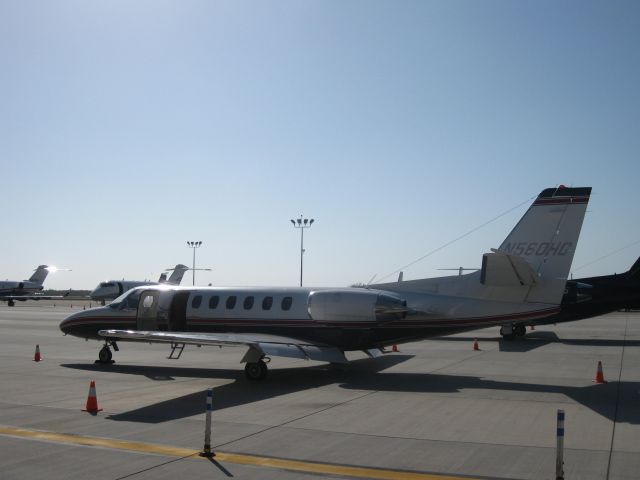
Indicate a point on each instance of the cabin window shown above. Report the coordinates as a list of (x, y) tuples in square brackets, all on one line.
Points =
[(214, 301), (148, 301), (248, 303), (231, 302), (267, 302), (197, 300), (286, 303)]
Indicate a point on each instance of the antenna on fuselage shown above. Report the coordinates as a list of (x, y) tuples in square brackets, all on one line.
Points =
[(466, 234)]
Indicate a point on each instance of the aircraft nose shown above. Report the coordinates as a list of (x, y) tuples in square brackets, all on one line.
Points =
[(66, 325)]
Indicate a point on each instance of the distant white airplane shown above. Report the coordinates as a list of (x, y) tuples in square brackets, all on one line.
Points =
[(522, 280), (114, 288), (12, 291)]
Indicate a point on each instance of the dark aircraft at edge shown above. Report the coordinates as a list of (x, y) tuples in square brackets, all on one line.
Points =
[(590, 297)]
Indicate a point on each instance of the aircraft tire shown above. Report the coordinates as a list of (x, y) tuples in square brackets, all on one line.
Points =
[(105, 355), (519, 330), (255, 370), (11, 303)]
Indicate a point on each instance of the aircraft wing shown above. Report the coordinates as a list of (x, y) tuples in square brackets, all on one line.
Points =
[(272, 345)]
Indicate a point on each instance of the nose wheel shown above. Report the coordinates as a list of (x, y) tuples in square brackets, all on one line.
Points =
[(256, 370), (105, 357)]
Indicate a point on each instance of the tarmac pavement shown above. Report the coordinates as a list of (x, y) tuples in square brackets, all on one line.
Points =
[(436, 408)]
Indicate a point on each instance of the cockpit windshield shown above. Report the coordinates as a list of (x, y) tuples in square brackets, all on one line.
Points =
[(128, 299)]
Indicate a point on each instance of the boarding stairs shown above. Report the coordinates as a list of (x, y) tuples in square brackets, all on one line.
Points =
[(176, 350)]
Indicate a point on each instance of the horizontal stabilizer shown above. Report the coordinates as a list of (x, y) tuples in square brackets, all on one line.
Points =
[(501, 269)]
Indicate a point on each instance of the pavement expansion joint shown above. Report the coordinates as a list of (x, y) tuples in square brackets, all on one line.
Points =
[(271, 427)]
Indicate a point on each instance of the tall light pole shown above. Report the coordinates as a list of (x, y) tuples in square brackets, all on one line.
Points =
[(194, 245), (301, 223)]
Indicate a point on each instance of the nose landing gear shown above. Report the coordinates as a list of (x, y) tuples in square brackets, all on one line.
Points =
[(105, 357)]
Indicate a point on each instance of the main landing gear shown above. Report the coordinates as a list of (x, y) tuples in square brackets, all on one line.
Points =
[(105, 357), (11, 303), (256, 370), (510, 332)]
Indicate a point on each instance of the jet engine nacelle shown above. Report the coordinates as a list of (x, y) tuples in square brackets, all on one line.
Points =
[(355, 306), (576, 292)]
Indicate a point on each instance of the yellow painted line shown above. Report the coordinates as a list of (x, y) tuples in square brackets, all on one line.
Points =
[(236, 458)]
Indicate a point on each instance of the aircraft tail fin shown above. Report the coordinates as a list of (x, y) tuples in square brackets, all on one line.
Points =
[(163, 278), (545, 238), (176, 276), (40, 274), (634, 271)]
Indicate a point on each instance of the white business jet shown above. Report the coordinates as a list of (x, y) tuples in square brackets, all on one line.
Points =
[(521, 280), (12, 291), (112, 289)]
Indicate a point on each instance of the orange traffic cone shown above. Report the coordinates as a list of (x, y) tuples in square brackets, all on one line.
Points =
[(37, 357), (395, 349), (475, 344), (599, 375), (92, 400)]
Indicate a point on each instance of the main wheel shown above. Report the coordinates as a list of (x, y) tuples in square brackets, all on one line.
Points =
[(507, 332), (105, 355), (255, 370), (520, 330)]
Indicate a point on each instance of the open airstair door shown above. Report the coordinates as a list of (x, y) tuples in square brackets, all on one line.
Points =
[(147, 317), (178, 312)]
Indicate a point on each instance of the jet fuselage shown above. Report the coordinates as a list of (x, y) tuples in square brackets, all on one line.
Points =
[(348, 318), (25, 287)]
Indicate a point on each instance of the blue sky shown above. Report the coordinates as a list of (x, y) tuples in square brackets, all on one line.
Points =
[(128, 128)]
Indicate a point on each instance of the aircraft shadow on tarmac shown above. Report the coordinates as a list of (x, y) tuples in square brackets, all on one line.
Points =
[(365, 374), (535, 340), (279, 382)]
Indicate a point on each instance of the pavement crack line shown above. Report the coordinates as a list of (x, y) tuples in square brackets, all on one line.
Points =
[(615, 414), (315, 412), (138, 472)]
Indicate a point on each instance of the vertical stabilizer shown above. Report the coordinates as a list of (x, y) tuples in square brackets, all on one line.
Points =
[(177, 274), (40, 274), (546, 238), (634, 271)]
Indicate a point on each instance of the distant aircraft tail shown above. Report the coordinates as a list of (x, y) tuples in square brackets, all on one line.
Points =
[(163, 278), (178, 273), (539, 250), (40, 274)]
